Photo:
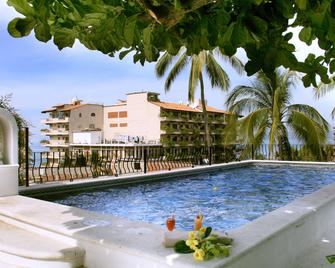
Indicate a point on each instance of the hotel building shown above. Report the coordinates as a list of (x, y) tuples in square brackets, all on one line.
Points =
[(66, 119), (142, 118)]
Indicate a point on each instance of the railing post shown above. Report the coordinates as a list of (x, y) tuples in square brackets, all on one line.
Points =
[(210, 155), (252, 152), (145, 160), (27, 155)]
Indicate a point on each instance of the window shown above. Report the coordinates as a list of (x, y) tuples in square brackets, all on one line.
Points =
[(113, 115), (123, 114), (79, 114), (112, 125), (123, 124), (93, 114)]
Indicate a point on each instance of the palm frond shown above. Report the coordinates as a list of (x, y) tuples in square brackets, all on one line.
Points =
[(251, 97), (163, 64), (322, 89), (308, 131), (216, 74), (176, 69), (193, 77), (311, 113), (234, 61), (250, 125)]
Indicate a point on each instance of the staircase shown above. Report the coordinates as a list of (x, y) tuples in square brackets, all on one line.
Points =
[(26, 247)]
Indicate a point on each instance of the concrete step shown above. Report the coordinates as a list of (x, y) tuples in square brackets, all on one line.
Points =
[(23, 248)]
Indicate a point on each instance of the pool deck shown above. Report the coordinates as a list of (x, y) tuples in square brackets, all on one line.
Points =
[(299, 234)]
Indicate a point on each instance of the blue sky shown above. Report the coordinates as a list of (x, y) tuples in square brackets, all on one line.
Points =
[(39, 76)]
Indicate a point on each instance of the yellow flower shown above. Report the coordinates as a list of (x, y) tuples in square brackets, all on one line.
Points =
[(202, 230), (192, 243), (199, 255), (192, 235)]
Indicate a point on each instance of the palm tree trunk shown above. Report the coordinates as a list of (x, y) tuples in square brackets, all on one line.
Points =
[(204, 112)]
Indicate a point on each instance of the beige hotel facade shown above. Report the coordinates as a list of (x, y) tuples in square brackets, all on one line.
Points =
[(142, 118)]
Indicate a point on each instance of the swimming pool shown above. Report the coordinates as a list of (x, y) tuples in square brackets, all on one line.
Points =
[(228, 198)]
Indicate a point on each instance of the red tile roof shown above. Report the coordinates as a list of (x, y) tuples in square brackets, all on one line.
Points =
[(186, 108)]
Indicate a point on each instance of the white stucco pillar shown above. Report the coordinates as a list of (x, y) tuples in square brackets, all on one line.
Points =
[(8, 154)]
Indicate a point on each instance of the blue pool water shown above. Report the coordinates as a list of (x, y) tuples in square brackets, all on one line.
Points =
[(228, 198)]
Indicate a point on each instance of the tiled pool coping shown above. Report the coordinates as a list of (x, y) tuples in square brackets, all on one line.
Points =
[(274, 240)]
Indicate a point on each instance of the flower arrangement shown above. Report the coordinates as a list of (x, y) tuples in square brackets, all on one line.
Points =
[(204, 245)]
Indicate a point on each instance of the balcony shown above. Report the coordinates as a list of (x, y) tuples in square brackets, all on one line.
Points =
[(55, 132), (64, 145), (54, 143), (51, 120)]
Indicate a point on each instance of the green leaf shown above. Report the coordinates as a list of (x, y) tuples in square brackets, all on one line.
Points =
[(332, 66), (208, 231), (147, 43), (64, 37), (225, 251), (331, 34), (181, 247), (258, 2), (305, 35), (252, 67), (240, 35), (177, 4), (129, 30), (306, 80), (124, 53), (19, 27), (302, 4), (22, 7), (330, 258), (288, 36), (42, 32)]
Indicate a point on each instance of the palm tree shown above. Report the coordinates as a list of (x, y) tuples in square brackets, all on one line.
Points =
[(204, 60), (270, 114), (322, 89)]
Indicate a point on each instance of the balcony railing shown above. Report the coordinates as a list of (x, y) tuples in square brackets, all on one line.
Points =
[(52, 120), (54, 132), (70, 165)]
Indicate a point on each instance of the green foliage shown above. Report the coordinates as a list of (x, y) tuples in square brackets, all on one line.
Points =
[(148, 27), (330, 258), (181, 247), (67, 161), (269, 113), (81, 161), (210, 245)]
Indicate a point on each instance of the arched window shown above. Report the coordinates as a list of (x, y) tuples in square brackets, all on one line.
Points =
[(93, 114)]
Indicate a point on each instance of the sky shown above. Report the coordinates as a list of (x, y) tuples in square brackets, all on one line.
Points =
[(40, 76)]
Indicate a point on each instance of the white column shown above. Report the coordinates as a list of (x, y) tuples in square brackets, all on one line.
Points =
[(8, 154)]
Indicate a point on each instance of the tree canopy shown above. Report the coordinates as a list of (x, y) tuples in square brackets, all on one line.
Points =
[(148, 27)]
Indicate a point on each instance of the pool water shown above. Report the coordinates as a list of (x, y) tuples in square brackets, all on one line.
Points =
[(227, 198)]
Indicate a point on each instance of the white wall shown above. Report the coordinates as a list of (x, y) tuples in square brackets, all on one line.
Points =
[(91, 137), (143, 117), (111, 132)]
